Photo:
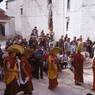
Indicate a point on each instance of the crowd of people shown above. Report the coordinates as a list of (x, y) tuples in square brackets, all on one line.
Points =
[(39, 57)]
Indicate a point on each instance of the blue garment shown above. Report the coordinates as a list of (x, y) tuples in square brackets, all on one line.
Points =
[(65, 57), (39, 54)]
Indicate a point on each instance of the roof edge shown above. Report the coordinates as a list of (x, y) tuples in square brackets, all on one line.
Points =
[(10, 0)]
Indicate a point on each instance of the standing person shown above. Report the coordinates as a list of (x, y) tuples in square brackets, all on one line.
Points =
[(1, 63), (11, 74), (89, 47), (34, 32), (26, 74), (80, 45), (74, 41), (1, 59), (52, 71), (42, 34), (78, 68), (65, 60), (67, 46), (61, 42), (93, 74), (39, 63)]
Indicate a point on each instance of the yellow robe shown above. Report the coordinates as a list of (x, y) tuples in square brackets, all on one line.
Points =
[(52, 69), (10, 75), (80, 46)]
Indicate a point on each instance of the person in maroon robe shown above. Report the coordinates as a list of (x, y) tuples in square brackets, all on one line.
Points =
[(93, 74), (10, 74), (78, 68), (26, 73)]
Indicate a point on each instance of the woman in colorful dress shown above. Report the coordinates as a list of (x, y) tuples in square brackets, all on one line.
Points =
[(52, 71)]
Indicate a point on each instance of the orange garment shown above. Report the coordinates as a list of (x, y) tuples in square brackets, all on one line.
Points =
[(78, 67), (80, 46), (11, 71), (52, 68)]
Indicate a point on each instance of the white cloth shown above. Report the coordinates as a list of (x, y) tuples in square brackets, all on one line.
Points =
[(20, 81)]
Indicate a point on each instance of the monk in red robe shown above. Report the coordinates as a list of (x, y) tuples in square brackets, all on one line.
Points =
[(93, 74), (78, 68), (11, 74), (26, 73)]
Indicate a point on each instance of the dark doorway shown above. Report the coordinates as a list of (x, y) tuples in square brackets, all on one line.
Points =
[(2, 30)]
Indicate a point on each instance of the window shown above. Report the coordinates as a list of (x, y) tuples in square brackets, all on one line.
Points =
[(2, 30), (21, 11), (67, 23), (6, 4), (49, 1), (67, 26), (68, 5)]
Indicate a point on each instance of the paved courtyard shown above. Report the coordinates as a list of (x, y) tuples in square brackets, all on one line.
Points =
[(66, 85)]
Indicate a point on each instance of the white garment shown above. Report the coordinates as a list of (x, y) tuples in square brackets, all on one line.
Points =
[(20, 81), (73, 49)]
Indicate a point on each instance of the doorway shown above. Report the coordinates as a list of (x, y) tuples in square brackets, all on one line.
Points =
[(2, 30)]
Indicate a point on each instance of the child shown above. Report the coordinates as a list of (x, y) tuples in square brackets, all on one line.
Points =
[(65, 60)]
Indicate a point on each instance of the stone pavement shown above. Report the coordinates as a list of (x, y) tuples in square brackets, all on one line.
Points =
[(66, 85), (2, 87)]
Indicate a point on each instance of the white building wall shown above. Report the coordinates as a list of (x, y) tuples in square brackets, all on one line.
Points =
[(13, 8), (58, 18), (14, 11), (75, 15), (88, 19), (10, 27), (35, 13), (82, 18), (7, 32)]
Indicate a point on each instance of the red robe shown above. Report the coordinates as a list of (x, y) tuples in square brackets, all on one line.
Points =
[(26, 71), (94, 74), (26, 67), (78, 68), (10, 60), (10, 76)]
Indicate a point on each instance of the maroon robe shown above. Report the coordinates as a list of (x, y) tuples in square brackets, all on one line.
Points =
[(78, 68), (93, 75), (12, 88), (26, 71)]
